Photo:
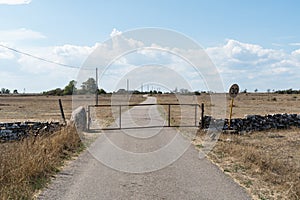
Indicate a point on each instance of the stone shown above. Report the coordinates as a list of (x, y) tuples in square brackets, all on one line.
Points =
[(79, 118)]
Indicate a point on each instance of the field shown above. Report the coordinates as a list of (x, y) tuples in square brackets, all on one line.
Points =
[(33, 108), (46, 108), (266, 163)]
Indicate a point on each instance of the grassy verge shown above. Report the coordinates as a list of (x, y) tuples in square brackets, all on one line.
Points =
[(267, 164), (26, 166)]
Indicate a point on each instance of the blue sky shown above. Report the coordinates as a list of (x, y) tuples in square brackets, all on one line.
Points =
[(254, 43)]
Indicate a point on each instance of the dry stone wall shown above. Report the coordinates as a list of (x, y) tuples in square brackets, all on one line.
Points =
[(254, 122)]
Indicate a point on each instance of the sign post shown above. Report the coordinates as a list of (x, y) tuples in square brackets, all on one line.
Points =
[(233, 92)]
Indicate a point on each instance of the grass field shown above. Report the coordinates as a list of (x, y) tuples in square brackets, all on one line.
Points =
[(46, 108)]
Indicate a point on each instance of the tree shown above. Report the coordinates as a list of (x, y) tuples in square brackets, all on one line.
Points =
[(5, 91), (56, 92), (197, 93), (136, 92), (89, 86), (15, 91), (101, 91), (70, 88), (255, 90), (268, 90)]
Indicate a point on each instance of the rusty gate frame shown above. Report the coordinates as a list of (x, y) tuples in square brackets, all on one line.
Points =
[(140, 127)]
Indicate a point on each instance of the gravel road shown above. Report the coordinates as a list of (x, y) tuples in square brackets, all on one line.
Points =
[(153, 163)]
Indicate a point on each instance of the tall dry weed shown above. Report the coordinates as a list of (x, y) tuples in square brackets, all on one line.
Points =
[(26, 166)]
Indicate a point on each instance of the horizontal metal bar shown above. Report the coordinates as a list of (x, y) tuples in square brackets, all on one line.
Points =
[(142, 127), (148, 104)]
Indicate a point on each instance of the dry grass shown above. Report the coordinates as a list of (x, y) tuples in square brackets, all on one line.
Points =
[(267, 164), (45, 108), (27, 165), (33, 108), (105, 116), (181, 115)]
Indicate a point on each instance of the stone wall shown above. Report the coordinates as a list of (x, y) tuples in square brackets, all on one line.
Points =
[(255, 122), (19, 130)]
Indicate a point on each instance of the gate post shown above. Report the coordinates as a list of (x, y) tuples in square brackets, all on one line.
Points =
[(196, 107), (202, 116), (89, 118), (169, 115), (120, 115)]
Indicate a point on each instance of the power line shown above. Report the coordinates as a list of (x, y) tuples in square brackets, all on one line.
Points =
[(39, 58)]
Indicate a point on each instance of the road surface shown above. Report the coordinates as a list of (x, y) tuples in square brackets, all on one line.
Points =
[(142, 164)]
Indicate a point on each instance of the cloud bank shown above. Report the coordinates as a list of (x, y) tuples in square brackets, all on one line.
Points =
[(15, 35), (255, 66), (250, 65), (14, 2)]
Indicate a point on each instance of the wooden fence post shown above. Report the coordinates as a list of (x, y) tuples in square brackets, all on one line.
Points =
[(62, 110)]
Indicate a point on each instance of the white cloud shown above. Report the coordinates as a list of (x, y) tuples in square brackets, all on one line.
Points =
[(115, 32), (155, 55), (20, 34), (67, 54), (243, 53), (5, 53), (14, 2), (251, 64), (22, 71), (295, 44)]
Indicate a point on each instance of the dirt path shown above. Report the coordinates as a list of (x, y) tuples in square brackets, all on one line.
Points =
[(142, 164)]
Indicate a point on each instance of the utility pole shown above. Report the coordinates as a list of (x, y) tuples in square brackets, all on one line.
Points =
[(127, 95), (127, 86), (96, 86), (142, 88)]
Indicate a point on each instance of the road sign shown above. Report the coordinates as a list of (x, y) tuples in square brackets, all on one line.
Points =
[(234, 90)]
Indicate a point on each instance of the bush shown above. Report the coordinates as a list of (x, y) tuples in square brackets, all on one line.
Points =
[(55, 92)]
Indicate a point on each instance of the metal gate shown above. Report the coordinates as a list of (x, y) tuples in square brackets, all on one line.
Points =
[(119, 108)]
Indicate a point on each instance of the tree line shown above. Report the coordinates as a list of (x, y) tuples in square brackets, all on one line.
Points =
[(289, 91), (7, 91), (87, 87)]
